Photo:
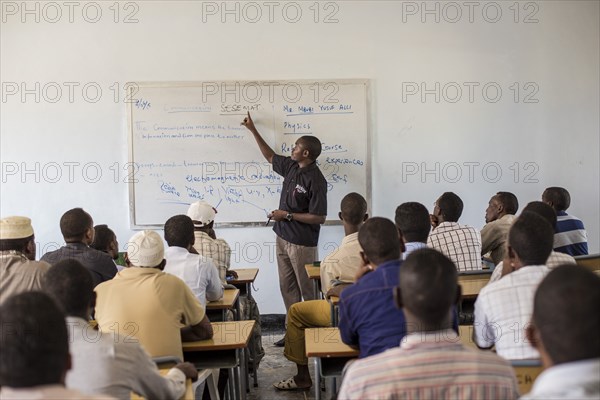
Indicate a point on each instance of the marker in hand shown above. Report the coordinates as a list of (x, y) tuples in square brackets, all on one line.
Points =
[(269, 220)]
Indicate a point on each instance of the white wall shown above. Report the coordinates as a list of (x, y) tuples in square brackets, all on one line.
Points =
[(556, 138)]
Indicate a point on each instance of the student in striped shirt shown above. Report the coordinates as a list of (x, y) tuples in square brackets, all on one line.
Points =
[(570, 236), (430, 362)]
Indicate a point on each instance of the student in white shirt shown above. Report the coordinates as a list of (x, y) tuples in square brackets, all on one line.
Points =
[(564, 328), (198, 272), (106, 362)]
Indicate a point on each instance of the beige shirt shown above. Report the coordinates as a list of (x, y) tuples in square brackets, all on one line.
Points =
[(494, 235), (217, 249), (149, 305), (19, 274), (342, 263)]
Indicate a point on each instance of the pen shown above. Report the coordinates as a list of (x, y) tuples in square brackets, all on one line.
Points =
[(269, 220)]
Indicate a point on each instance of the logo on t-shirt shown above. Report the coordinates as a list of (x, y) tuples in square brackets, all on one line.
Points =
[(300, 189)]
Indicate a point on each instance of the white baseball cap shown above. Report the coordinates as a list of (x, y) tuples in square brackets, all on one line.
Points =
[(145, 249), (202, 213), (15, 228)]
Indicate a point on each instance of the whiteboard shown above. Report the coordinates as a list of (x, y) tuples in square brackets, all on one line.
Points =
[(186, 144)]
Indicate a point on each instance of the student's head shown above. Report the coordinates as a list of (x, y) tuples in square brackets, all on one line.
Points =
[(530, 240), (145, 249), (16, 233), (70, 284), (543, 210), (412, 220), (202, 215), (307, 147), (34, 348), (353, 209), (565, 321), (449, 207), (179, 231), (428, 289), (77, 226), (105, 240), (379, 240), (557, 197), (501, 204)]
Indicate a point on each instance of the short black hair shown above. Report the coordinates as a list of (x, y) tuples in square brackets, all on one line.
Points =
[(34, 347), (70, 284), (565, 312), (103, 236), (542, 209), (532, 238), (179, 231), (509, 201), (560, 197), (379, 240), (15, 244), (428, 285), (412, 219), (74, 223), (451, 206), (353, 208), (313, 145)]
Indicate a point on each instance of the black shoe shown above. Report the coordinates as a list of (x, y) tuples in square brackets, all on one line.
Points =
[(280, 343)]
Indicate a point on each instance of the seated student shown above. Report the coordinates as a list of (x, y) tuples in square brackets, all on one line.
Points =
[(206, 243), (341, 265), (570, 236), (77, 228), (198, 272), (155, 307), (106, 363), (460, 243), (19, 272), (564, 328), (555, 259), (412, 221), (105, 241), (499, 216), (503, 308), (431, 362), (34, 350), (368, 318)]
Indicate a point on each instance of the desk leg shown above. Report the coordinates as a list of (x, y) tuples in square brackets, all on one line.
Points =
[(317, 378), (247, 372), (316, 289), (243, 373)]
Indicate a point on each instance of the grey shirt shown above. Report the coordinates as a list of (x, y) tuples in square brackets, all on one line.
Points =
[(107, 363)]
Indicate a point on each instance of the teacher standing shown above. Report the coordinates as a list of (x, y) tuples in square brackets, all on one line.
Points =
[(302, 210)]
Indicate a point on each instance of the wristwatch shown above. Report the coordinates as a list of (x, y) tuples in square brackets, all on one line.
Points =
[(289, 217)]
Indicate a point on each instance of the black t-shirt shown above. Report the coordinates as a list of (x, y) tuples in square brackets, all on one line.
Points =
[(304, 191)]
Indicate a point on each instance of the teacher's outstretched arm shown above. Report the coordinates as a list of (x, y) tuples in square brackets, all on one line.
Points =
[(265, 149)]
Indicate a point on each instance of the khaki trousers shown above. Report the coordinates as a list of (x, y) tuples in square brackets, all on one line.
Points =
[(293, 279), (308, 314)]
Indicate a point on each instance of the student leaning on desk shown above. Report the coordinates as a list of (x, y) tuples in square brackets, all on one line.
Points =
[(162, 307)]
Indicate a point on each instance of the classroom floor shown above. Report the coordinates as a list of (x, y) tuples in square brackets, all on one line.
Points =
[(275, 367)]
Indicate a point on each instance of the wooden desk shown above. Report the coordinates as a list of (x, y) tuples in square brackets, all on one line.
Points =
[(228, 302), (188, 395), (227, 349), (314, 274), (329, 352), (472, 283), (527, 372), (245, 279), (591, 261)]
